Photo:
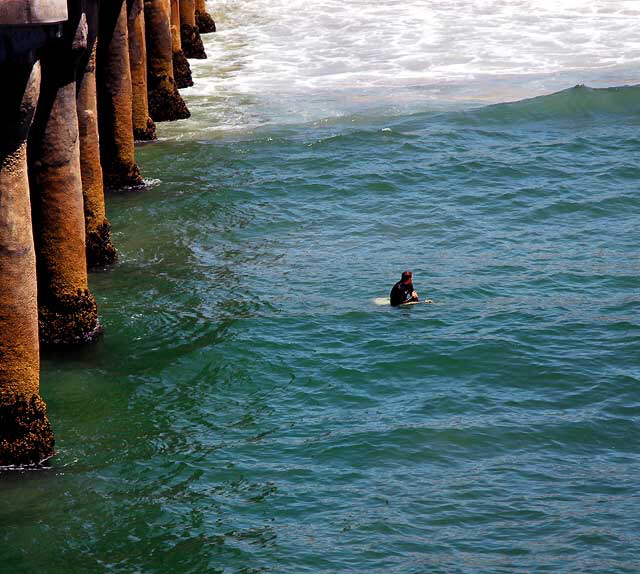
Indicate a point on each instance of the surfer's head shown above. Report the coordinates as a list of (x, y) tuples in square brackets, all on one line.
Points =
[(407, 277)]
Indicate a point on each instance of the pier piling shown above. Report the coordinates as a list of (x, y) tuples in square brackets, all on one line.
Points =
[(181, 67), (165, 103), (25, 432), (99, 248), (115, 104), (67, 310), (143, 127), (204, 21), (189, 34)]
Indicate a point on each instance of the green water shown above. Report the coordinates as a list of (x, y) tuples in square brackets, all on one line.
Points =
[(252, 409)]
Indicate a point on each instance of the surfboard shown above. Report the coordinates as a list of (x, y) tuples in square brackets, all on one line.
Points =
[(385, 301)]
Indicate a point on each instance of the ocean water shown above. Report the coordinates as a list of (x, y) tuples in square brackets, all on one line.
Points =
[(253, 408)]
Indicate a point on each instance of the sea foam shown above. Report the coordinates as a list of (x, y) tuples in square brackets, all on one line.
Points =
[(282, 61)]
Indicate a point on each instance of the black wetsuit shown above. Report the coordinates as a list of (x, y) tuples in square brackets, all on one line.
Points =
[(401, 293)]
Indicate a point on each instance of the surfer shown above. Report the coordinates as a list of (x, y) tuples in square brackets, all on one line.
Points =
[(402, 292)]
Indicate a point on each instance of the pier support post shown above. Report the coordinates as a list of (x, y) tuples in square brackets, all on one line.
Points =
[(165, 103), (67, 310), (204, 21), (143, 127), (189, 35), (25, 432), (115, 107), (99, 249), (181, 68)]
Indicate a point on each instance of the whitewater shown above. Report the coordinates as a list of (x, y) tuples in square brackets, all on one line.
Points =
[(295, 60)]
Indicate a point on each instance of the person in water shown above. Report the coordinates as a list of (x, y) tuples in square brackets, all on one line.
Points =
[(403, 291)]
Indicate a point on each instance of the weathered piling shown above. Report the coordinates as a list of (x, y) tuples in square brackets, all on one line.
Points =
[(66, 131), (189, 35), (204, 21), (165, 103), (115, 107), (181, 68), (67, 310), (143, 127), (99, 248), (25, 432)]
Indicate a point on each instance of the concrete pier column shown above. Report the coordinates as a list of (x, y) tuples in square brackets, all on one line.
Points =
[(204, 21), (25, 432), (165, 103), (99, 249), (67, 310), (181, 68), (189, 35), (115, 105), (143, 127)]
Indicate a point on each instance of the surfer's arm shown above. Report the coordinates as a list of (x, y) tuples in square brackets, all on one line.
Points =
[(414, 297)]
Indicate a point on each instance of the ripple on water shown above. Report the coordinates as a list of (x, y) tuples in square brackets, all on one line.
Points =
[(251, 409)]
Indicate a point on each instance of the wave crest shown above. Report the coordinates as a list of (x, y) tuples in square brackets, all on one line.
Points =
[(577, 102)]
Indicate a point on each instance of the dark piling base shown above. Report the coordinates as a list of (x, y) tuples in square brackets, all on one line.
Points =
[(205, 22), (145, 135), (115, 178), (181, 70), (100, 251), (192, 42), (68, 321), (165, 102), (25, 432)]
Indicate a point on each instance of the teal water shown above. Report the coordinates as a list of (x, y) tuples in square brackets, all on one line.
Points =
[(252, 409)]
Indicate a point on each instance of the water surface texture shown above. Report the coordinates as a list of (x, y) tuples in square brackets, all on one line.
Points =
[(253, 409)]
